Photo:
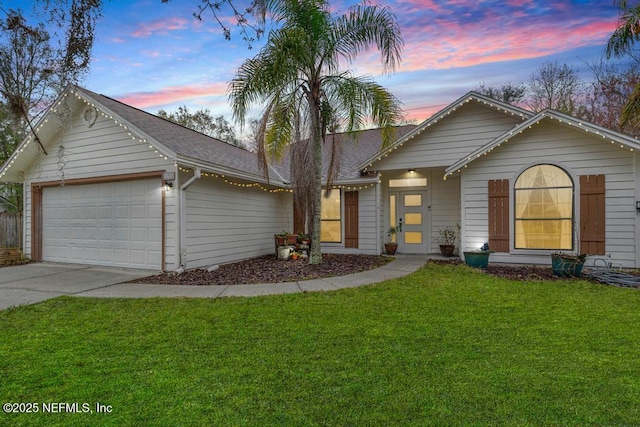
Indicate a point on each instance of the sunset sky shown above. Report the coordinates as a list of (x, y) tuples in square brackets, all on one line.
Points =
[(154, 55)]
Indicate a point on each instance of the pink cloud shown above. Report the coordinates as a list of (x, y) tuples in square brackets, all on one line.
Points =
[(162, 26), (472, 44), (174, 95)]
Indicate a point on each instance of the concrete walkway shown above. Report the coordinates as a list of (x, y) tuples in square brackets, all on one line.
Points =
[(401, 266), (32, 283)]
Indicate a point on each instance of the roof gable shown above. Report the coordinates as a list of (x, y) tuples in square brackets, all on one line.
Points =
[(165, 138), (608, 136), (444, 114)]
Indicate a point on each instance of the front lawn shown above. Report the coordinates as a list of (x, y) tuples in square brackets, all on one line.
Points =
[(443, 346)]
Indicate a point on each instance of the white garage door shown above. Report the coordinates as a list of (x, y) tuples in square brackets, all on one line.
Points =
[(114, 223)]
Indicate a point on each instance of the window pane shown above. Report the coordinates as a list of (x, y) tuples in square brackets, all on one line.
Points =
[(331, 226), (414, 237), (331, 205), (544, 203), (408, 182), (544, 234), (330, 231), (544, 209), (413, 219), (543, 176), (413, 200)]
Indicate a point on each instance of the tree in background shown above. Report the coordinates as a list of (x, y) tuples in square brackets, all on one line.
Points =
[(510, 93), (204, 122), (621, 43), (298, 78), (36, 61), (606, 96), (554, 86)]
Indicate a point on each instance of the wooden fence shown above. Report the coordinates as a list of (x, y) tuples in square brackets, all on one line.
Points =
[(10, 230)]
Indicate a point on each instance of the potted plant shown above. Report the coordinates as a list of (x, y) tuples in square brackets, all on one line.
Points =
[(567, 265), (478, 258), (281, 238), (284, 252), (295, 255), (391, 245), (304, 239), (448, 236)]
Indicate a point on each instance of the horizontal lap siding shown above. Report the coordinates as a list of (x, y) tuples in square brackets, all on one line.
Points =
[(226, 223), (444, 199), (104, 149), (580, 154), (452, 138)]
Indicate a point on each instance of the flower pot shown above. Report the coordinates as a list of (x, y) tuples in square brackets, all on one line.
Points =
[(280, 240), (566, 265), (447, 250), (477, 259), (390, 248), (283, 252)]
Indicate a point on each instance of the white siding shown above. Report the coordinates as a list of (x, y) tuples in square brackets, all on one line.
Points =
[(226, 223), (450, 139), (579, 154), (105, 148), (445, 206)]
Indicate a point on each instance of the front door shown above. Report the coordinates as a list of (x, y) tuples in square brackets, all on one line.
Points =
[(412, 214)]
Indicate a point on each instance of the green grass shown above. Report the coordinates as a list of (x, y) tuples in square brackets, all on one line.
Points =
[(443, 346)]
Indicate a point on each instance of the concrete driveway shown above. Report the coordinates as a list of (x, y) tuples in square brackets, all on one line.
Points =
[(32, 283)]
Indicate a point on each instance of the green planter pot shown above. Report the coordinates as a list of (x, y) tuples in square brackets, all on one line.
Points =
[(566, 266), (477, 259)]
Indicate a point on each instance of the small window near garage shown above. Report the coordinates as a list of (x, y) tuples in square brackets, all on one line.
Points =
[(331, 217), (408, 182), (544, 209)]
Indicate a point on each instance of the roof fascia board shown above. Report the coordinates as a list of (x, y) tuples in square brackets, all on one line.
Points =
[(614, 137), (471, 96), (226, 172)]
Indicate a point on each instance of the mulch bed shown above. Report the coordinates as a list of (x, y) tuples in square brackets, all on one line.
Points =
[(267, 269)]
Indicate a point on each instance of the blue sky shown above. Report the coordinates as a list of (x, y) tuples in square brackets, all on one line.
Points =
[(157, 56)]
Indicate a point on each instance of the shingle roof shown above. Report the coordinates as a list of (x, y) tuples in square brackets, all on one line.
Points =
[(189, 144), (354, 149), (185, 143)]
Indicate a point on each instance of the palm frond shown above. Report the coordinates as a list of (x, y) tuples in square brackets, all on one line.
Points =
[(627, 32)]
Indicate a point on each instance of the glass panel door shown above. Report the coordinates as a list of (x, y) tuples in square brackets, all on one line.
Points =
[(412, 214)]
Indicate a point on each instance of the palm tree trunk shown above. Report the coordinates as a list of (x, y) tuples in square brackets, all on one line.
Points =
[(315, 255)]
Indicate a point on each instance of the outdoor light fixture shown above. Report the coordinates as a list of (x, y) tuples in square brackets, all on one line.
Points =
[(167, 180), (637, 206), (411, 171)]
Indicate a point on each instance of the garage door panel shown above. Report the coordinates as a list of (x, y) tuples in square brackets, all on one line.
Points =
[(117, 223)]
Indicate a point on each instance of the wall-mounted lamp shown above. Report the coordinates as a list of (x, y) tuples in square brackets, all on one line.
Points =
[(167, 180), (411, 171), (638, 206)]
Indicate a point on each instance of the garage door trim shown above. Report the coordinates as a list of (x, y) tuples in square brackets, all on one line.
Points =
[(36, 205)]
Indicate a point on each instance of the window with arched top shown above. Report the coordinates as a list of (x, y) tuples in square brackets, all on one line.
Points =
[(544, 209)]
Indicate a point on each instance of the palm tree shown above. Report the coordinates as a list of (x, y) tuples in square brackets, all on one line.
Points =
[(297, 76), (620, 43)]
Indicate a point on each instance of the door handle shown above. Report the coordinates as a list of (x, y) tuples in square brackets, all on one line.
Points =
[(400, 225)]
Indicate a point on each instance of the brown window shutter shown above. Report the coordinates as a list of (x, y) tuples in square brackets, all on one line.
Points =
[(499, 215), (350, 219), (592, 207)]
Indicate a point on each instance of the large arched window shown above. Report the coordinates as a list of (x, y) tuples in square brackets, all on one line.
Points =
[(544, 209)]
